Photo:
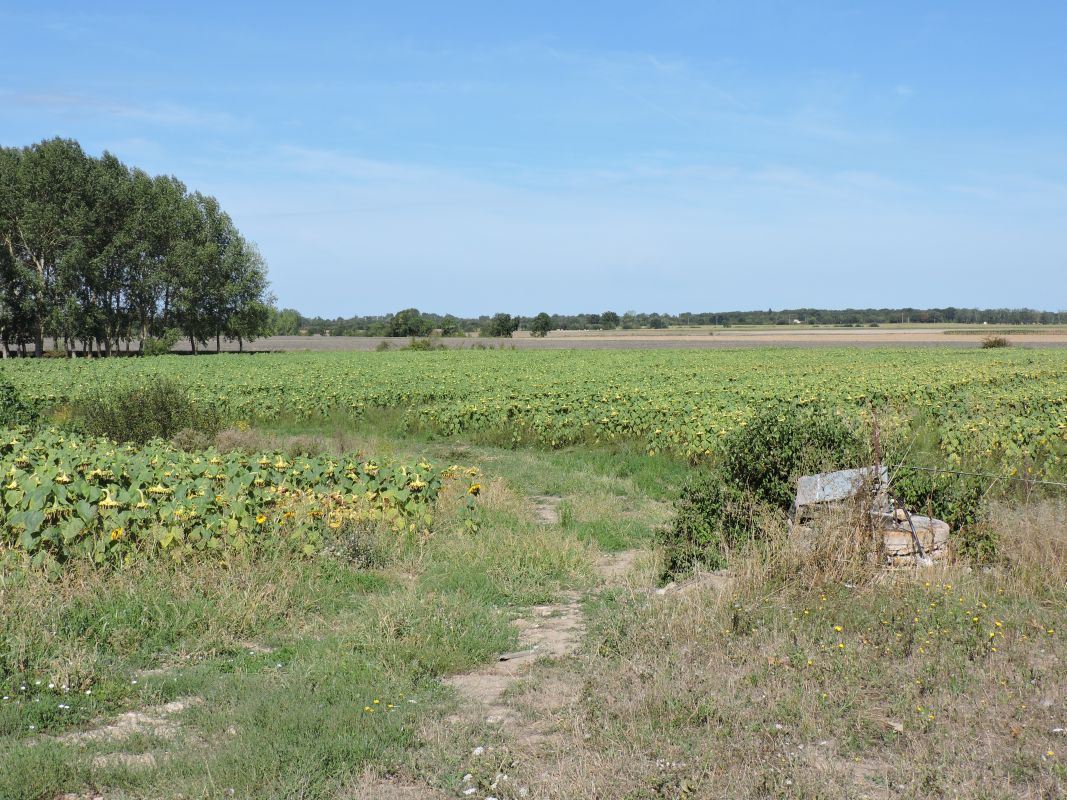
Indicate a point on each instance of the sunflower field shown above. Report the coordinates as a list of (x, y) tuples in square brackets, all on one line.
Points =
[(1007, 406), (63, 496)]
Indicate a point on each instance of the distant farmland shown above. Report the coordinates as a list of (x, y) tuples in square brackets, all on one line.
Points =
[(684, 338)]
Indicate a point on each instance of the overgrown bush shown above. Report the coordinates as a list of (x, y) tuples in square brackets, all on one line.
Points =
[(160, 345), (712, 518), (768, 454), (959, 500), (425, 343), (719, 509), (14, 409), (158, 410), (993, 342)]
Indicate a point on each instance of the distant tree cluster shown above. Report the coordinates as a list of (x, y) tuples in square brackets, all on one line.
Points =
[(806, 316), (408, 322), (541, 325), (412, 322), (95, 253), (501, 325)]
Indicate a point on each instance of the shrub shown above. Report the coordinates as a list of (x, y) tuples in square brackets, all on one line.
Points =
[(14, 410), (956, 499), (769, 453), (160, 345), (993, 342), (426, 343), (156, 411), (712, 518), (722, 509), (384, 345)]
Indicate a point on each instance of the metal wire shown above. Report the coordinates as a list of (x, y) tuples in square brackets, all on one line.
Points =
[(1031, 481)]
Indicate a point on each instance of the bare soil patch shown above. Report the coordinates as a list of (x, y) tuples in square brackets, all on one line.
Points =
[(391, 787), (546, 508), (717, 581), (153, 721), (615, 567)]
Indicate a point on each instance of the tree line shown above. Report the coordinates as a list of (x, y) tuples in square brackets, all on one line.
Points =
[(412, 322), (97, 254)]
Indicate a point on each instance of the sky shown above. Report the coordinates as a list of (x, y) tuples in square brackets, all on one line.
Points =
[(472, 158)]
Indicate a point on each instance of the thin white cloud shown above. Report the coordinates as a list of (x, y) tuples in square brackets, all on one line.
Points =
[(163, 113)]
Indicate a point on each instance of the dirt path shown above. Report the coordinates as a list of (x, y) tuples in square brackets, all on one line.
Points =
[(521, 701), (519, 695), (546, 508)]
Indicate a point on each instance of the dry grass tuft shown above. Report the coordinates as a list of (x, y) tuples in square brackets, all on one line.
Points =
[(70, 630), (836, 547), (821, 675), (1033, 541), (497, 497), (255, 441)]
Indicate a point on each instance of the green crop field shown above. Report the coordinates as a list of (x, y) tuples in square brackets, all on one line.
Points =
[(519, 574), (1005, 405)]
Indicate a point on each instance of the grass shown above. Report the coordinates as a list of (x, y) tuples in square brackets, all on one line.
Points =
[(284, 655), (815, 678), (811, 676)]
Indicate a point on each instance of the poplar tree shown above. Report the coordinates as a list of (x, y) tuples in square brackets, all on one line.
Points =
[(95, 252)]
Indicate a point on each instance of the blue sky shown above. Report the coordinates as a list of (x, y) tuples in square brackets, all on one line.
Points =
[(558, 156)]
